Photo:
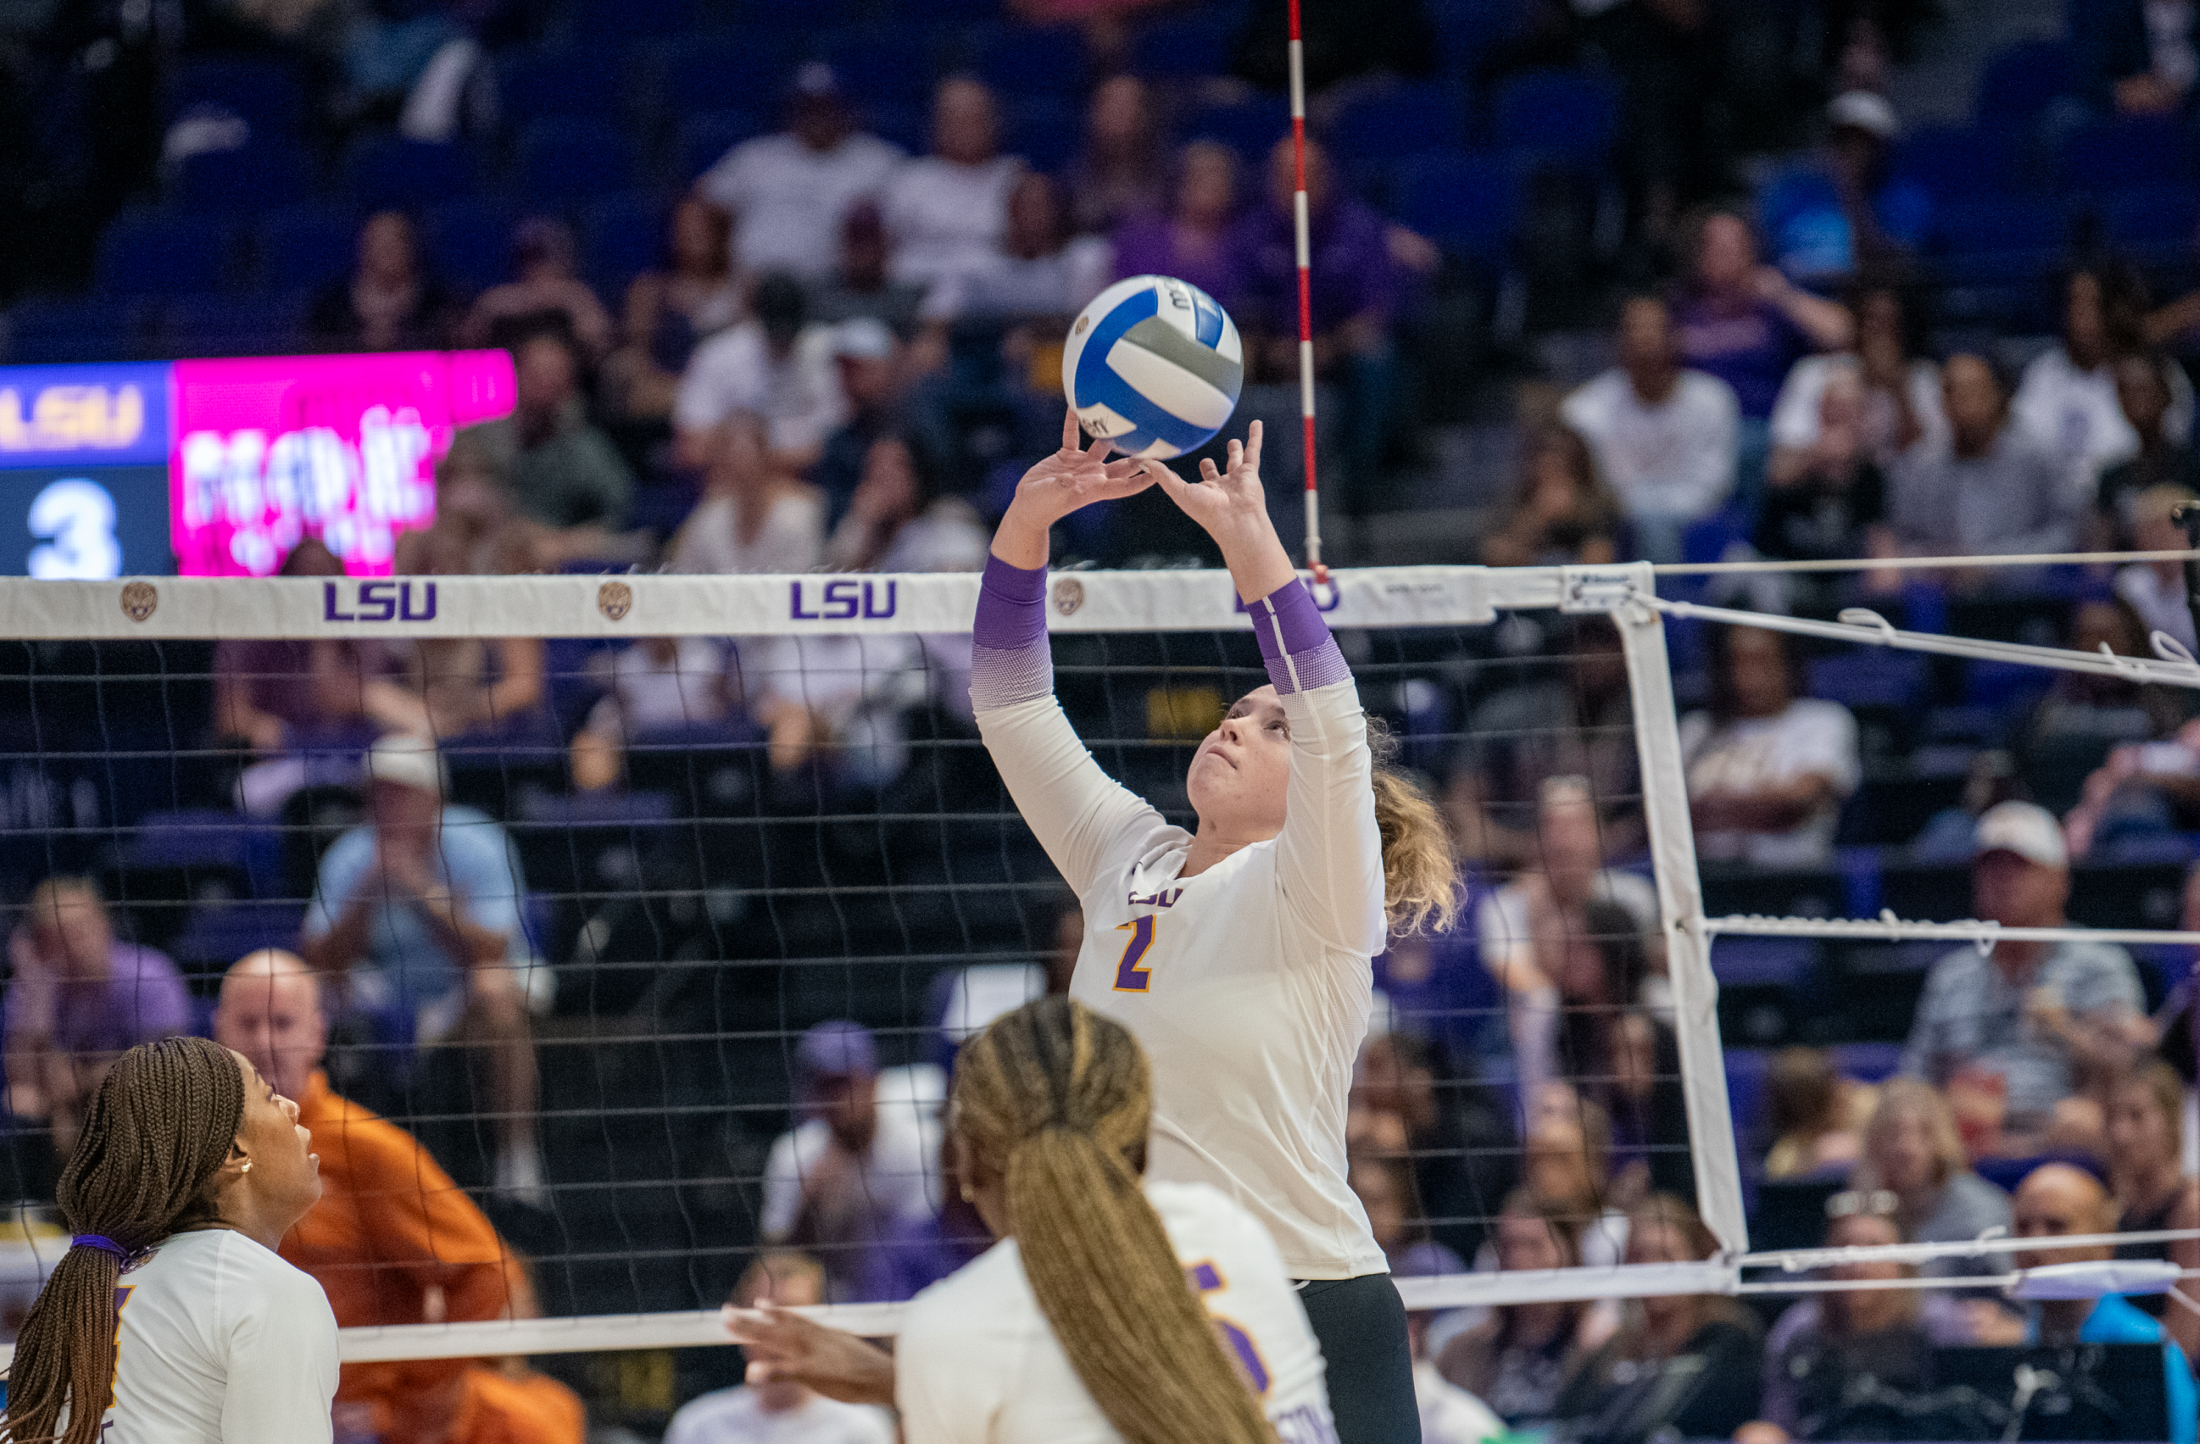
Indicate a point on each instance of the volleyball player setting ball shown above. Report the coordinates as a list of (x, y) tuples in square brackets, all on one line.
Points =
[(171, 1312), (1239, 954), (1110, 1310)]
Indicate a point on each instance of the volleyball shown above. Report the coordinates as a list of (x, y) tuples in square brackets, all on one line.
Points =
[(1155, 365)]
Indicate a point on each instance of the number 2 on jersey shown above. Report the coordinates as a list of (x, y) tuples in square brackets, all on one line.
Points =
[(1130, 977)]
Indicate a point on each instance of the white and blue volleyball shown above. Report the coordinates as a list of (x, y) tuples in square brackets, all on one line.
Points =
[(1154, 365)]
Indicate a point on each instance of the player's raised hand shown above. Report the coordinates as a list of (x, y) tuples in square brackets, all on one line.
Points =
[(1225, 500), (782, 1344), (1077, 476)]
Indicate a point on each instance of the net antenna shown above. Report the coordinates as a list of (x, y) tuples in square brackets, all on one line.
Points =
[(1300, 237)]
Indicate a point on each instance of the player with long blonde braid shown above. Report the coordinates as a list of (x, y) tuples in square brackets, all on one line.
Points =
[(1239, 954)]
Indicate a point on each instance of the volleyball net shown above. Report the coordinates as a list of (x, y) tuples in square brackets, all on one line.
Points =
[(731, 809)]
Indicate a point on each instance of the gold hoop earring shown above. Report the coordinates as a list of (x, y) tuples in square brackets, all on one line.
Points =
[(247, 1166)]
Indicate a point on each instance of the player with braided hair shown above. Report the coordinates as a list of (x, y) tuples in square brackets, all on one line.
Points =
[(1111, 1309), (171, 1311)]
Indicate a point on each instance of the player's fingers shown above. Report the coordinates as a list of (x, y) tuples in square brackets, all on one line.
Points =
[(1070, 436), (1100, 448), (1176, 486), (1251, 449), (1207, 470)]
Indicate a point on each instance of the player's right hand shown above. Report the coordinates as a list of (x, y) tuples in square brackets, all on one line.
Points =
[(783, 1344), (1077, 476)]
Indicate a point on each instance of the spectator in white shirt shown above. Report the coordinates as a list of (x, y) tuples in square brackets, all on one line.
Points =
[(789, 193), (1664, 437), (1901, 389), (754, 516), (947, 213), (840, 1181), (774, 365), (2156, 590), (2068, 395), (1042, 273), (1767, 770), (778, 1411)]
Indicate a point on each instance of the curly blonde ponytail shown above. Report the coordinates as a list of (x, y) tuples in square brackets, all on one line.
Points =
[(1058, 1099), (1420, 872)]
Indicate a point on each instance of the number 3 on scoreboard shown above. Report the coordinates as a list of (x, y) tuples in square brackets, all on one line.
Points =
[(1130, 977)]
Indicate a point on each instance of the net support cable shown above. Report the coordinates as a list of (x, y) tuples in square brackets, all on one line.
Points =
[(640, 606)]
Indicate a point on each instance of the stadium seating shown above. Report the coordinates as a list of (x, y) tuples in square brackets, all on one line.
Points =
[(385, 171), (159, 253)]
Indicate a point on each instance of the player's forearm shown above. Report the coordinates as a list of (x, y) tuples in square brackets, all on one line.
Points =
[(1255, 556), (1009, 661), (1022, 540)]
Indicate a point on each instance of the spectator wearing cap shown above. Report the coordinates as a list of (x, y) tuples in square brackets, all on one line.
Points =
[(416, 921), (1664, 437), (393, 1240), (2059, 1200), (851, 1169), (778, 366), (1848, 216), (791, 193), (1989, 486), (946, 213), (2038, 1015), (545, 285), (868, 360), (77, 997)]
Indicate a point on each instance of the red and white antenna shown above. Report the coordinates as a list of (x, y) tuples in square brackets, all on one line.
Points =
[(1299, 226)]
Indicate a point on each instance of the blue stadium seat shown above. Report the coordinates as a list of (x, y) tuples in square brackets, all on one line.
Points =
[(303, 248), (1741, 960), (704, 138), (159, 253), (621, 236), (2125, 153), (267, 94), (2024, 79), (1971, 226), (1867, 1062), (1956, 160), (250, 178), (1195, 45), (535, 85), (596, 22), (469, 243), (1869, 677), (1250, 127), (386, 172), (1468, 30), (1029, 59), (1410, 121), (1044, 130), (883, 64), (2156, 221), (216, 934), (218, 325), (740, 72), (572, 159), (1464, 203), (46, 331), (193, 838), (1571, 115), (908, 126), (948, 12)]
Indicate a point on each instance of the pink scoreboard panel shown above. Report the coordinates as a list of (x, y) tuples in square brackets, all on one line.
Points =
[(269, 450)]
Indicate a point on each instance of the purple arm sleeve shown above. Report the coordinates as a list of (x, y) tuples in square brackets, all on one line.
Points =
[(1009, 660), (1295, 642)]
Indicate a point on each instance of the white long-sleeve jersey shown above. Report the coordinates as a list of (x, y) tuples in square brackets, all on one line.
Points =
[(1249, 985)]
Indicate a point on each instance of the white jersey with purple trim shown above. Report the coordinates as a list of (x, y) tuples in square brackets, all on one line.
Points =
[(977, 1363), (221, 1342), (1249, 985)]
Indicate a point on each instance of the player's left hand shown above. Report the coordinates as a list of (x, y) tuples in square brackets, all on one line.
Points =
[(1227, 500), (782, 1344)]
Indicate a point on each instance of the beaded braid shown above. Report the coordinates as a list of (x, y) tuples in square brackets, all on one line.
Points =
[(159, 1128), (1058, 1099)]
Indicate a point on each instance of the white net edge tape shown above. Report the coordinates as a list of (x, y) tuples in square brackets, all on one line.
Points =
[(207, 608)]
